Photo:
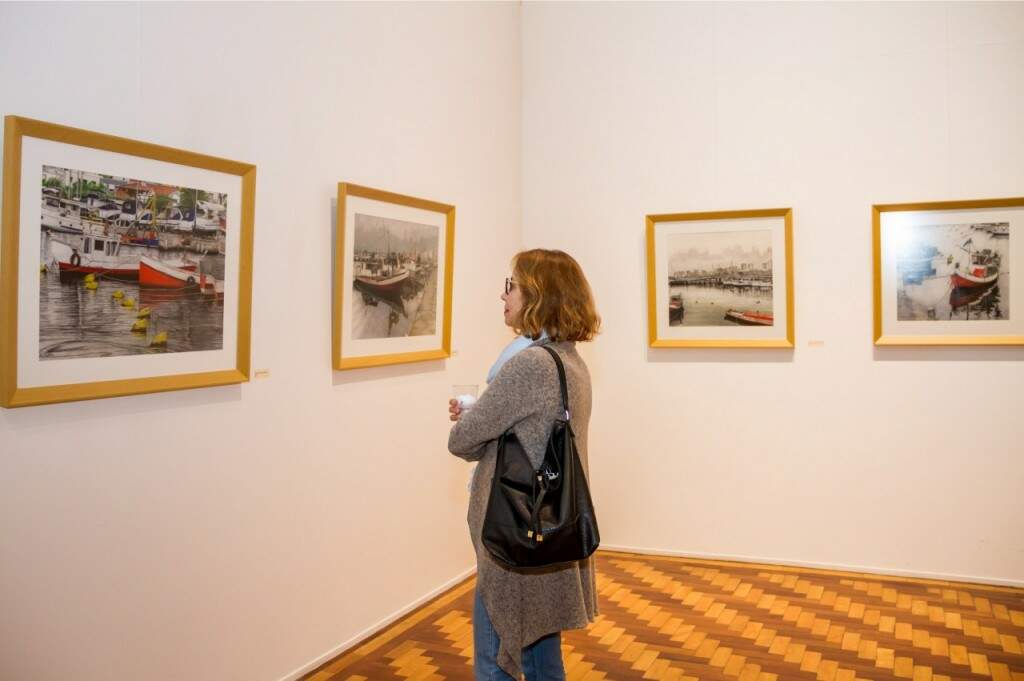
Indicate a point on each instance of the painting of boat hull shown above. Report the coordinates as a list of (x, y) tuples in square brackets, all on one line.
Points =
[(156, 274), (968, 281), (749, 318), (382, 285), (974, 296), (70, 271), (676, 310)]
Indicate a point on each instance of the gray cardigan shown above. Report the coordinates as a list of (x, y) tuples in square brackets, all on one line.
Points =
[(525, 396)]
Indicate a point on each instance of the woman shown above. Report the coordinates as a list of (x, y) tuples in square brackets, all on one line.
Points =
[(518, 614)]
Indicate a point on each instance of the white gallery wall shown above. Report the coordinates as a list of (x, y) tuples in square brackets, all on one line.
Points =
[(836, 453), (245, 532)]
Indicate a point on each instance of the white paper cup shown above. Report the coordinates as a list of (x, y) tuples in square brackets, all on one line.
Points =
[(466, 394)]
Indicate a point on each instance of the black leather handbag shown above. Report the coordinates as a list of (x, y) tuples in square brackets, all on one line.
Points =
[(541, 517)]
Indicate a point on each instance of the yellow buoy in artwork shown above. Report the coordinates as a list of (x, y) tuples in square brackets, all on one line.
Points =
[(91, 276), (144, 312), (140, 326), (118, 294), (159, 340), (91, 285), (42, 268), (128, 302)]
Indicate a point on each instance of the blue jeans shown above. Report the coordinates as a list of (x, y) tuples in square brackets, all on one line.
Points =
[(542, 660)]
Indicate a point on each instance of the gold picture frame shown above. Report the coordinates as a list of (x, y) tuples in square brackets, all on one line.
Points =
[(392, 278), (701, 243), (92, 367), (940, 272)]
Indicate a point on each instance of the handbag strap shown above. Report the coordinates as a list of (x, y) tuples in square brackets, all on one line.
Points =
[(561, 379)]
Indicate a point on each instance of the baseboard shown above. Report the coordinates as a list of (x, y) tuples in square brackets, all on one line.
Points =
[(972, 579), (375, 628)]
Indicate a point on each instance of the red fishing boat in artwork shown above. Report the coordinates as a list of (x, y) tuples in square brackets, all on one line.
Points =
[(111, 257), (383, 276), (388, 282), (982, 270), (750, 318), (156, 274)]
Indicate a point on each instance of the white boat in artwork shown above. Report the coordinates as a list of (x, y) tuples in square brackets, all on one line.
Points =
[(61, 215), (176, 220), (747, 283)]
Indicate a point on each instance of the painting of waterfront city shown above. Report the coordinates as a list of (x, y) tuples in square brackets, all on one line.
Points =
[(953, 272), (394, 278), (128, 266), (720, 278)]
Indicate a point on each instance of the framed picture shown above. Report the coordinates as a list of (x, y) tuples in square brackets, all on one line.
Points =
[(392, 278), (126, 266), (720, 279), (942, 272)]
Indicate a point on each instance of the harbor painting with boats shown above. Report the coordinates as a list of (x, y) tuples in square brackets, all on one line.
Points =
[(949, 272), (128, 266), (394, 278), (721, 278)]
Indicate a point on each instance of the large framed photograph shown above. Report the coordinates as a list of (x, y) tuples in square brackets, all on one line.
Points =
[(126, 266), (720, 279), (942, 272), (392, 278)]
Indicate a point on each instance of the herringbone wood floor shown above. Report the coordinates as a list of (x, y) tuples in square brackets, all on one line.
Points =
[(684, 620)]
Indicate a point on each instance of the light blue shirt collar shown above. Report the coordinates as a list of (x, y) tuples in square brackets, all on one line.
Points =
[(511, 350)]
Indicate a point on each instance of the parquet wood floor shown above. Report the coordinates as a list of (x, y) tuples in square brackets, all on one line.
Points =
[(687, 620)]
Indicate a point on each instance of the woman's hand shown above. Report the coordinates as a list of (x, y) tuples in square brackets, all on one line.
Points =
[(454, 410)]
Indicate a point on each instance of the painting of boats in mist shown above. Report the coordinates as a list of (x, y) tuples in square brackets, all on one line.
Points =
[(721, 278), (948, 272), (128, 266), (394, 278)]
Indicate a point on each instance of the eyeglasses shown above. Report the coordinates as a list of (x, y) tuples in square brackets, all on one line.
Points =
[(509, 285)]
